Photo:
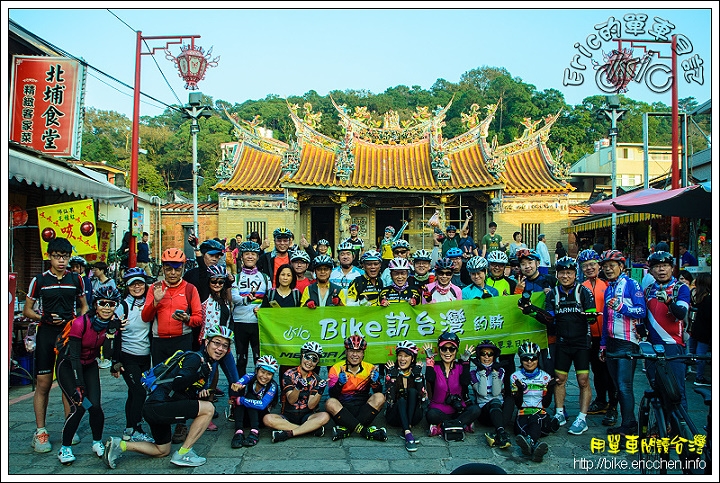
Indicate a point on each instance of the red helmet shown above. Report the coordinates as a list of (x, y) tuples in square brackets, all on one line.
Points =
[(356, 342), (612, 255), (173, 255)]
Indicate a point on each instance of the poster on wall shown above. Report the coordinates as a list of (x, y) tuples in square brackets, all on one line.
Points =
[(104, 232), (74, 220), (137, 224)]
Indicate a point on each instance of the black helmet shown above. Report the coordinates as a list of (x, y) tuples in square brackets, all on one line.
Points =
[(212, 247), (566, 263), (660, 257), (451, 337), (107, 292)]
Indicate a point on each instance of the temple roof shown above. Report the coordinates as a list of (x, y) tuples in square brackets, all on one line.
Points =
[(413, 157)]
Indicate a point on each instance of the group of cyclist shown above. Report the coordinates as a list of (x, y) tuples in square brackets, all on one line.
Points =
[(205, 311)]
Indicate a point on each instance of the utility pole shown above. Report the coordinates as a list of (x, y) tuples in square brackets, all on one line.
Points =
[(614, 114), (195, 111)]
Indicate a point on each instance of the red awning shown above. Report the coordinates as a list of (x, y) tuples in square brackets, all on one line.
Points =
[(689, 202)]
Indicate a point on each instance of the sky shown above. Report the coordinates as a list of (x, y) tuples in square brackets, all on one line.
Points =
[(289, 52)]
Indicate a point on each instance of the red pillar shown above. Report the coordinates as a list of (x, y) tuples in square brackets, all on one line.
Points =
[(675, 165), (132, 257)]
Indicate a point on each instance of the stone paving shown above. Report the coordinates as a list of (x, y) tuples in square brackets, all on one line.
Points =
[(309, 454)]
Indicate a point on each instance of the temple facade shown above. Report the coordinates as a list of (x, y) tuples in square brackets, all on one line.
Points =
[(390, 171)]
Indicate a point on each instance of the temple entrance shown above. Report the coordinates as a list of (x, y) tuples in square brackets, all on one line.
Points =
[(323, 225), (389, 217)]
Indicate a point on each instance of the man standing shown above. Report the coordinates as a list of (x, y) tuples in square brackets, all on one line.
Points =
[(687, 259), (358, 245), (623, 329), (61, 294), (364, 290), (350, 404), (451, 239), (346, 271), (269, 261), (143, 253), (492, 241), (543, 253)]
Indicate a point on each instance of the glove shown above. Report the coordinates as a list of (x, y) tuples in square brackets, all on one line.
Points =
[(78, 395), (662, 296), (393, 373), (416, 370), (429, 354), (336, 301), (522, 387), (641, 331), (342, 378), (301, 384), (615, 303), (320, 386), (193, 241), (384, 302), (527, 310), (310, 304), (495, 366), (375, 375), (466, 355), (412, 302)]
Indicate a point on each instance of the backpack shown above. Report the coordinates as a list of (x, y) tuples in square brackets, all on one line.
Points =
[(161, 373), (61, 343), (453, 430)]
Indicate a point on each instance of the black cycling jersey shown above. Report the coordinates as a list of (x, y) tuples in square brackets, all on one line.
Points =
[(572, 327), (363, 288)]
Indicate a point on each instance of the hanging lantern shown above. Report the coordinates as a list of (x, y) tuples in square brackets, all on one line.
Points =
[(192, 64)]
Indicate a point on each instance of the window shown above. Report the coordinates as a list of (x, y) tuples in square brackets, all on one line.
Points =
[(258, 226), (530, 232)]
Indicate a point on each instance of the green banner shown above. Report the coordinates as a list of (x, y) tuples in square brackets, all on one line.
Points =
[(284, 330)]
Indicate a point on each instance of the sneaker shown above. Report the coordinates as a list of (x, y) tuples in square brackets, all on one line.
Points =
[(187, 459), (238, 439), (319, 432), (691, 370), (75, 440), (376, 434), (490, 438), (340, 432), (112, 452), (502, 440), (279, 436), (561, 419), (470, 428), (411, 445), (539, 450), (701, 381), (98, 448), (104, 363), (610, 418), (180, 434), (211, 427), (578, 427), (41, 442), (140, 437), (554, 424), (251, 440), (598, 407), (435, 430), (127, 434), (65, 455), (525, 444)]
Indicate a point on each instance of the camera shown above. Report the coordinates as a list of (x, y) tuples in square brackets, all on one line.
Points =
[(455, 402)]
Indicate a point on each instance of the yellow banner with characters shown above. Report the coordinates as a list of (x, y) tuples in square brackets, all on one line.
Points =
[(104, 232), (74, 220)]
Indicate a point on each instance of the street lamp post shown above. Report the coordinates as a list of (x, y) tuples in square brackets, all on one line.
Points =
[(614, 114), (195, 111)]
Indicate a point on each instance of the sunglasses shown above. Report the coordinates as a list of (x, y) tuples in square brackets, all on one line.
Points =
[(448, 348), (311, 357), (217, 282), (106, 303), (529, 359), (443, 273), (486, 354)]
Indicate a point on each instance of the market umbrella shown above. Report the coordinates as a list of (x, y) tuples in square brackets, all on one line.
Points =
[(689, 202)]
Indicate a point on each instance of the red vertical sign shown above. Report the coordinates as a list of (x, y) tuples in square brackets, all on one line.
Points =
[(45, 104)]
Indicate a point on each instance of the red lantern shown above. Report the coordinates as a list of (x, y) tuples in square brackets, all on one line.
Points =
[(19, 216), (192, 63)]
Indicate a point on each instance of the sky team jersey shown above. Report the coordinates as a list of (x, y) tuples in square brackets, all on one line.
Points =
[(249, 281), (357, 388)]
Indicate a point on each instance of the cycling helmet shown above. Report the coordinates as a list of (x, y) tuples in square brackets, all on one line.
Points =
[(566, 263), (249, 246), (400, 244), (356, 342), (323, 260), (354, 226), (323, 241), (77, 260), (422, 254), (454, 252), (268, 363), (217, 271), (476, 264), (444, 264), (451, 228), (496, 256), (293, 248), (107, 292), (212, 247), (390, 229), (526, 253), (346, 245), (173, 255), (300, 255), (282, 233), (660, 257), (450, 337), (408, 347), (587, 255), (134, 274), (528, 349), (313, 347), (486, 344), (612, 255), (399, 263), (371, 256), (221, 331)]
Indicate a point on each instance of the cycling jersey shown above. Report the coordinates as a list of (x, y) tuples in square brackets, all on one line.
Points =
[(537, 387), (665, 326), (357, 247), (474, 292), (485, 386), (250, 281), (436, 293), (181, 297), (261, 398), (342, 279), (190, 377), (620, 324), (135, 338), (289, 382), (57, 295), (598, 291), (394, 294), (567, 307), (503, 285), (363, 290), (357, 388)]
